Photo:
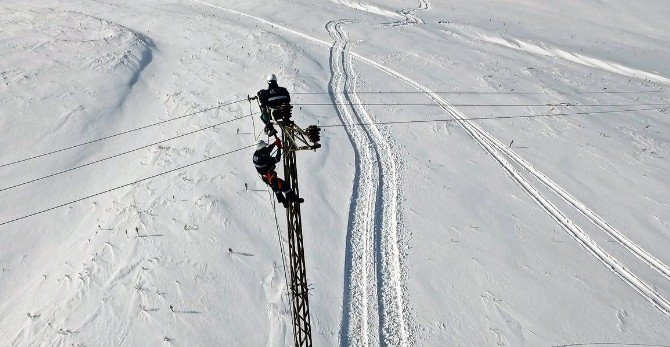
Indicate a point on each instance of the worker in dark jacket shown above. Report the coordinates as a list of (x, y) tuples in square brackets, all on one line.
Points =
[(271, 99), (265, 165)]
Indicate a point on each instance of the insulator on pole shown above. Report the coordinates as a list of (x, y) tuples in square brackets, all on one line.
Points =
[(313, 133)]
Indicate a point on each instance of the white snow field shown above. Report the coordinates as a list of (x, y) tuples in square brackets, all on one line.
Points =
[(456, 216)]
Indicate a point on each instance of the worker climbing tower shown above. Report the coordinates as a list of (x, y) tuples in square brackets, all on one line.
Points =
[(295, 139)]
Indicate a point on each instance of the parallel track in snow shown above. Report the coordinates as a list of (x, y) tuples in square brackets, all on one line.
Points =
[(359, 268), (375, 275), (638, 251), (492, 145), (501, 154)]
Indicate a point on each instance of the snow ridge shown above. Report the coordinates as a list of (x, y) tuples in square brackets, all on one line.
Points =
[(366, 8), (549, 51), (544, 49)]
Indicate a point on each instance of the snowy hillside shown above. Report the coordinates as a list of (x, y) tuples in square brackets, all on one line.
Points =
[(509, 184)]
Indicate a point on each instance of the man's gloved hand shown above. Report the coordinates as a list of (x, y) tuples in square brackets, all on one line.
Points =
[(270, 130), (265, 117)]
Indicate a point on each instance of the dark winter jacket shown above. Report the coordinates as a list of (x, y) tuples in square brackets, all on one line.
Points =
[(264, 161), (273, 96)]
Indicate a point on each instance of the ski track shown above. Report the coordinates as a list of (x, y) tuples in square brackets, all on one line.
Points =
[(410, 18), (498, 151), (643, 255), (486, 142)]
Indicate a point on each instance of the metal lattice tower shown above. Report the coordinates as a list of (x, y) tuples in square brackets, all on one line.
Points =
[(296, 139), (302, 329)]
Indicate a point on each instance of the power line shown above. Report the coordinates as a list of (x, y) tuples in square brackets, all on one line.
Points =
[(122, 186), (489, 118), (490, 93), (610, 344), (477, 105), (121, 133), (547, 115), (323, 126), (120, 154), (329, 104)]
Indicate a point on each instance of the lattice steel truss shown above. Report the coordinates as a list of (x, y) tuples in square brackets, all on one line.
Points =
[(295, 139), (302, 329)]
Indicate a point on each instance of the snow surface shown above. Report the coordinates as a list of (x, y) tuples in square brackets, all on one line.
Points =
[(528, 231)]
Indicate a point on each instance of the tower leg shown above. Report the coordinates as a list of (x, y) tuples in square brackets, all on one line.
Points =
[(302, 329)]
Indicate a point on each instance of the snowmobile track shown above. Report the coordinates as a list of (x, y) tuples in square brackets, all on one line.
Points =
[(356, 316), (373, 230)]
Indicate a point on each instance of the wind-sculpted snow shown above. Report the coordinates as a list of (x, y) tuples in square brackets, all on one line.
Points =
[(51, 64), (367, 7), (461, 228), (549, 50), (69, 51), (96, 45)]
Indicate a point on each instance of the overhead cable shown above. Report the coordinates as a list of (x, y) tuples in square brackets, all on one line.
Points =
[(489, 118), (121, 133), (558, 104), (120, 154), (121, 186), (511, 92)]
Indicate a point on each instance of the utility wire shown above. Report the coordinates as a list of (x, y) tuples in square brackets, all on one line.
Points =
[(611, 344), (543, 115), (122, 186), (306, 104), (489, 118), (489, 93), (121, 133), (324, 104), (323, 126), (120, 154), (477, 105)]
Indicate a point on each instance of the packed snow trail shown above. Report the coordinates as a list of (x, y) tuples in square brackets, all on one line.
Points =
[(394, 320), (480, 136), (360, 269), (373, 247)]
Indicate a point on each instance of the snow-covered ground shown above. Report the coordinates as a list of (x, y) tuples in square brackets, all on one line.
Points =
[(466, 231)]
